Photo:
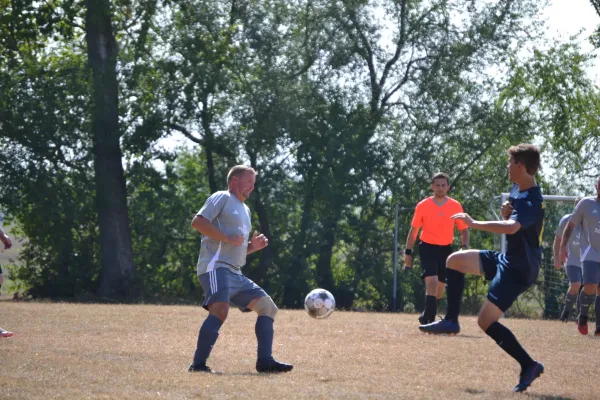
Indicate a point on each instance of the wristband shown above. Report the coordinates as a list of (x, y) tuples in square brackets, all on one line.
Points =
[(408, 252)]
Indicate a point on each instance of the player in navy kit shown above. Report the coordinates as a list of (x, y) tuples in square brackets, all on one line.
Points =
[(510, 274)]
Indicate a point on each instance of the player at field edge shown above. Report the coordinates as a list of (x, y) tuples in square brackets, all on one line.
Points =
[(433, 216), (510, 274), (224, 222), (572, 266), (7, 245), (586, 216)]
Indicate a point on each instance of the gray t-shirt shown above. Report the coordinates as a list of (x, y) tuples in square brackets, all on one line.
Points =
[(587, 216), (574, 244), (230, 216)]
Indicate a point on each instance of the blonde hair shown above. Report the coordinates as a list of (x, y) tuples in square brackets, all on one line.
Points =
[(238, 171)]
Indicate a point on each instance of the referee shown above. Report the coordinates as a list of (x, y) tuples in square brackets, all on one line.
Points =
[(432, 215)]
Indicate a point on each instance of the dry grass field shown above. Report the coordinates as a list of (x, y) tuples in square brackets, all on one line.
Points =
[(87, 351)]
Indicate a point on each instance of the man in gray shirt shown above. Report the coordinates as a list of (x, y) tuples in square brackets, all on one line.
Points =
[(224, 222), (572, 266), (587, 217)]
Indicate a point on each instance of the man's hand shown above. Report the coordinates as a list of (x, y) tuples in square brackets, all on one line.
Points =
[(563, 254), (235, 240), (557, 263), (464, 217), (6, 240), (408, 261), (259, 241), (506, 209)]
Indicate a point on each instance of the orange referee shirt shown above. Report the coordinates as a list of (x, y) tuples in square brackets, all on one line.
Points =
[(434, 219)]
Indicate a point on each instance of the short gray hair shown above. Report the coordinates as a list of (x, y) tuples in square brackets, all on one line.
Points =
[(239, 170)]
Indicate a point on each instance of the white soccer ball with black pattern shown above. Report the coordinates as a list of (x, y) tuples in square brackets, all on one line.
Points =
[(319, 303)]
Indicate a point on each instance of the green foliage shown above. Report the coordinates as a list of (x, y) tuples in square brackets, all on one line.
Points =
[(343, 109)]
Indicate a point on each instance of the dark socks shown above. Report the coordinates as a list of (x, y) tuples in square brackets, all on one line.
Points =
[(455, 283), (264, 335), (509, 343), (207, 337), (586, 302), (430, 307), (570, 300), (597, 310)]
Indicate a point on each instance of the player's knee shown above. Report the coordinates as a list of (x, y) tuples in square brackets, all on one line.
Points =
[(266, 307), (454, 261), (219, 310), (574, 288), (483, 322)]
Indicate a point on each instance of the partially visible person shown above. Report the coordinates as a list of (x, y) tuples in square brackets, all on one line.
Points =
[(433, 217), (7, 245), (572, 266)]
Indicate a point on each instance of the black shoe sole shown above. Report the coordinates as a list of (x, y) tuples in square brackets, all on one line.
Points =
[(274, 370)]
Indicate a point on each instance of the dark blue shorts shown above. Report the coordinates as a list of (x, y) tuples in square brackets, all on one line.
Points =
[(506, 285), (223, 285)]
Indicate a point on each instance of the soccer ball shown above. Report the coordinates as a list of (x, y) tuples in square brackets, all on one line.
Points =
[(319, 303)]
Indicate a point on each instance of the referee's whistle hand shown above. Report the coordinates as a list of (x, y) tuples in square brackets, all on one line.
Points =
[(407, 262)]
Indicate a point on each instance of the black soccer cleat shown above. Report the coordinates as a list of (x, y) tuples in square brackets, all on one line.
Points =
[(200, 368), (441, 327), (528, 376), (272, 366)]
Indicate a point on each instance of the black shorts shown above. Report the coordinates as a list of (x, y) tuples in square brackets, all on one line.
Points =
[(433, 260)]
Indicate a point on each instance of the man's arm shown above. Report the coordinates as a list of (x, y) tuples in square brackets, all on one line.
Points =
[(410, 242), (465, 238), (565, 240), (5, 239), (556, 251), (206, 228), (507, 227)]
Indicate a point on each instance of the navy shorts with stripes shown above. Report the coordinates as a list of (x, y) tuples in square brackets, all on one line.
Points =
[(224, 285)]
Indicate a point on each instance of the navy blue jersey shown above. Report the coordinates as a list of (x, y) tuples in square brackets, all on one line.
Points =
[(523, 251)]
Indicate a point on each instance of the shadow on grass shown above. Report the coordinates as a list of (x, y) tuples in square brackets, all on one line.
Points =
[(532, 396)]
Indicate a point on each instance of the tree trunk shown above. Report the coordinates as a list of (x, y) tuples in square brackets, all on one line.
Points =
[(118, 270), (268, 253)]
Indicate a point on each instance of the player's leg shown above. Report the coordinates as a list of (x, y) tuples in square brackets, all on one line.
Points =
[(445, 252), (216, 300), (503, 291), (429, 264), (574, 276), (591, 277), (253, 297), (457, 265)]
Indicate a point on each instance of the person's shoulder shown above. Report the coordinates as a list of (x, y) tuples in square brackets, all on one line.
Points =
[(453, 201), (425, 201), (534, 193), (221, 195)]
